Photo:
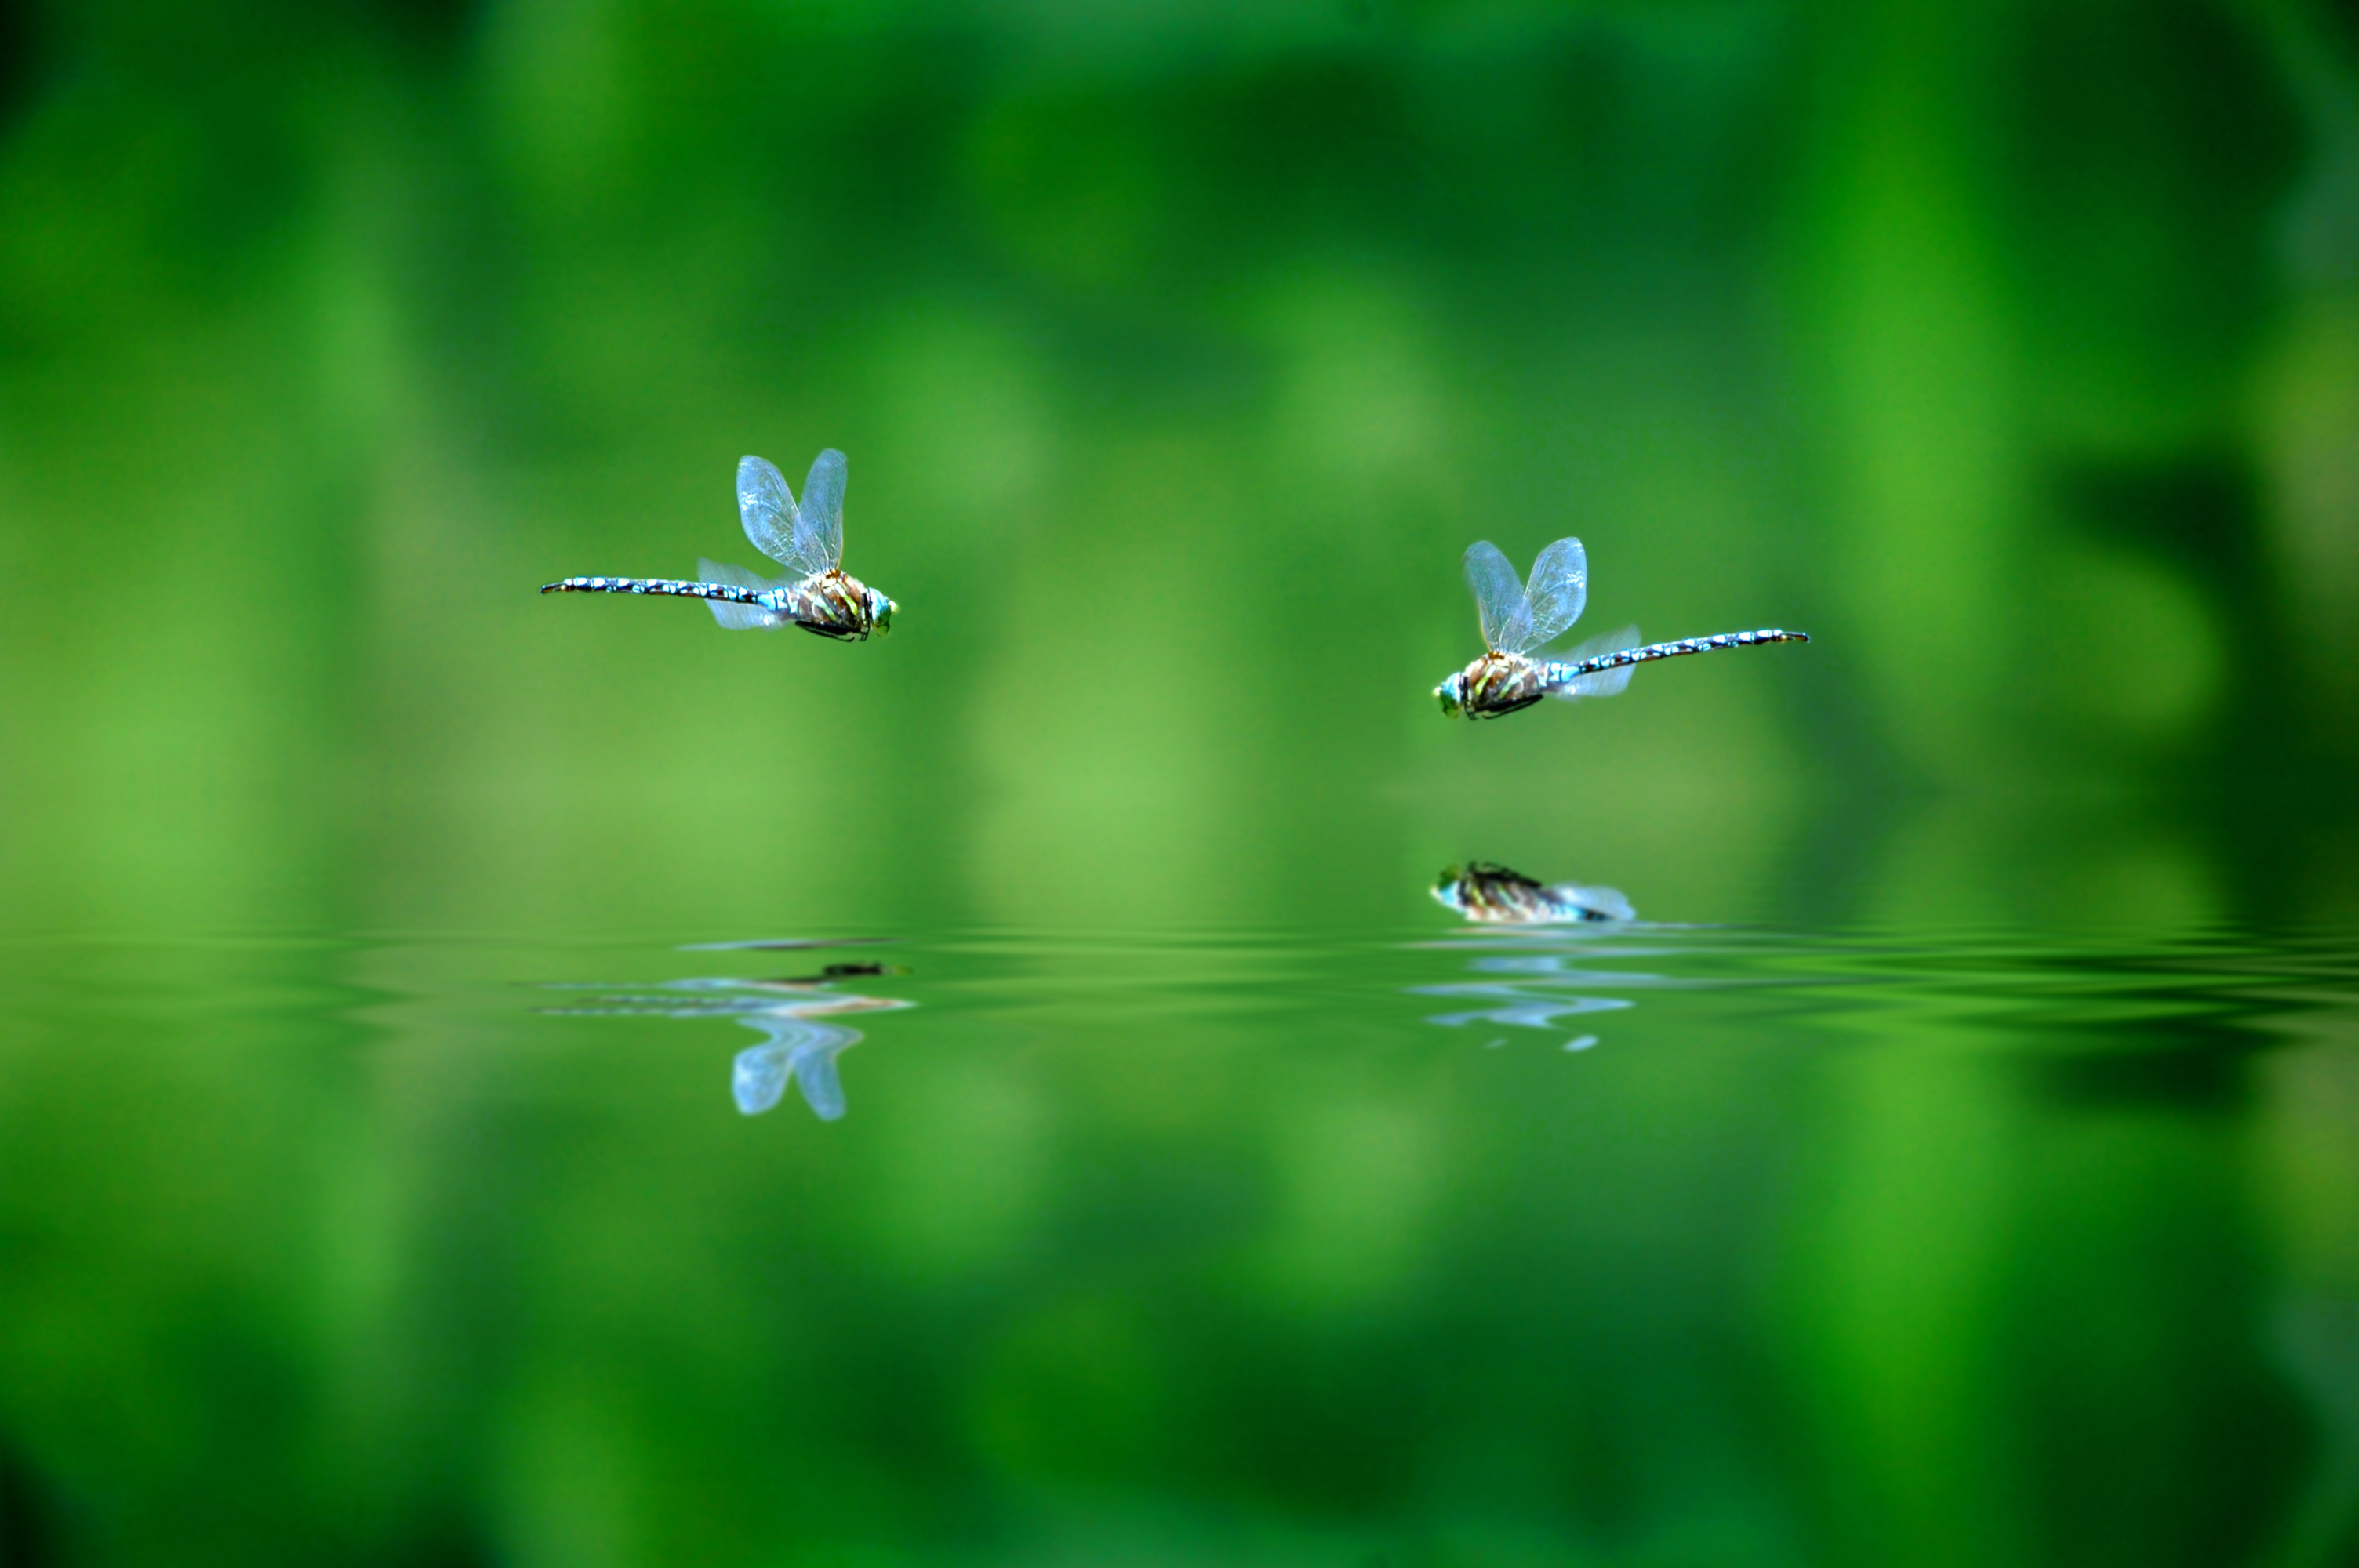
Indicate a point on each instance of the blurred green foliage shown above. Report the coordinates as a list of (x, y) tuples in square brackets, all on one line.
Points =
[(1179, 352), (2011, 349)]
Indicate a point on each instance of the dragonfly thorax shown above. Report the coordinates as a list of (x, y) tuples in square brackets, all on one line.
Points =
[(1493, 684), (1492, 894), (833, 604)]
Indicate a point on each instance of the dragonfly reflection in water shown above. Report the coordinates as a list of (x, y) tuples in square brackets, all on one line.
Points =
[(1489, 893), (1533, 996), (1517, 620), (798, 1014), (815, 595)]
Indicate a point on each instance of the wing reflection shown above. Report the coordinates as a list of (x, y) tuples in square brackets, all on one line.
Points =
[(797, 1048), (798, 1014)]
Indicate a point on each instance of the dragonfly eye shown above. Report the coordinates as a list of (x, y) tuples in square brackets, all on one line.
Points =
[(880, 609), (1448, 694)]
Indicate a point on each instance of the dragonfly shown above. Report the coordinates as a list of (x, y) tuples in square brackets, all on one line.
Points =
[(1518, 619), (1491, 894), (808, 540)]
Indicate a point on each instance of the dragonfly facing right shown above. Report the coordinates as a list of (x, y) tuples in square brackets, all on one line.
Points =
[(1519, 620)]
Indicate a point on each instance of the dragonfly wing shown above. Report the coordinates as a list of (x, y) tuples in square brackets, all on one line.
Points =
[(797, 1048), (1601, 683), (1499, 599), (768, 509), (737, 617), (818, 522), (814, 1067), (1595, 903), (759, 1076), (1558, 590)]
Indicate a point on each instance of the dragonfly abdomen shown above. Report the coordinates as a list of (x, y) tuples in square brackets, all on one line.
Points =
[(726, 592), (1557, 674)]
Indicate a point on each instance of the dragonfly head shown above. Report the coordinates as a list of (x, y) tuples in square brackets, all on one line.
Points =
[(1452, 695), (880, 611)]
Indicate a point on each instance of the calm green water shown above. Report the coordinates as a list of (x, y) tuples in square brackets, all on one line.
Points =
[(1409, 1244)]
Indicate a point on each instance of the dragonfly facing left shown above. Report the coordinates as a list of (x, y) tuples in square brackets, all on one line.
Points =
[(1517, 620), (816, 594), (1489, 893)]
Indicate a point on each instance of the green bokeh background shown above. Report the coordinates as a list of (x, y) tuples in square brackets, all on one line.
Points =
[(2012, 349), (1179, 350)]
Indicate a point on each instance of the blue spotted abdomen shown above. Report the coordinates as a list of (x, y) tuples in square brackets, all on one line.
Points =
[(766, 597), (1557, 674)]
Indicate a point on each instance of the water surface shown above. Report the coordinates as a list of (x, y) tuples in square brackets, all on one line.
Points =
[(1426, 1244)]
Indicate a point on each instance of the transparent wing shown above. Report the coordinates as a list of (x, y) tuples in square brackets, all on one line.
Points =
[(815, 1072), (819, 524), (759, 1077), (1499, 599), (797, 1048), (1595, 903), (767, 509), (1604, 682), (737, 617), (1558, 590)]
